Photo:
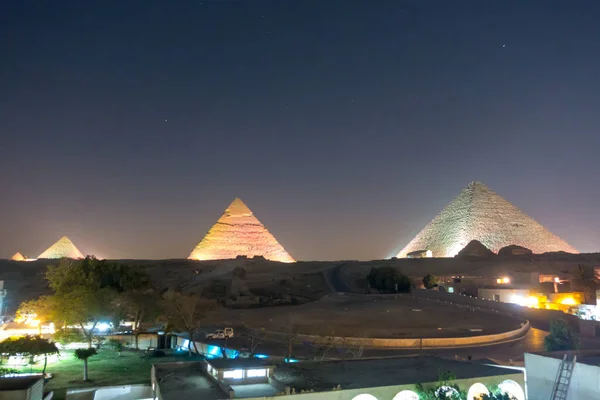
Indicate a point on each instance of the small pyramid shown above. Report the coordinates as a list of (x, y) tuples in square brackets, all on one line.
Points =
[(475, 249), (480, 214), (239, 233), (18, 257), (64, 248)]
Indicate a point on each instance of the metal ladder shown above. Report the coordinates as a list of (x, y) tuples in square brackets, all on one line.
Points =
[(563, 378)]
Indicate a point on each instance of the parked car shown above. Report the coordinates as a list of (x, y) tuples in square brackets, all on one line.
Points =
[(226, 333)]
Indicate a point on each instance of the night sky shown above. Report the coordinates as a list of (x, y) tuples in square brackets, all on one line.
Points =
[(345, 126)]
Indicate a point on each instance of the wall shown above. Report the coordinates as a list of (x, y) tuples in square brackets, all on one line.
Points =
[(17, 395), (124, 392), (145, 340), (506, 294), (539, 318), (418, 343), (388, 392), (541, 374)]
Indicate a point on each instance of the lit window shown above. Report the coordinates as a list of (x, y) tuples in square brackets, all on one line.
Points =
[(365, 397), (512, 388), (235, 374), (255, 373), (450, 289), (476, 391)]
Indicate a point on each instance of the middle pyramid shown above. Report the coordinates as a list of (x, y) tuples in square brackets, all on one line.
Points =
[(239, 233)]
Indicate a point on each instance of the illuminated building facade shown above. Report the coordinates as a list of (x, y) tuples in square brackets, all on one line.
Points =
[(239, 233), (64, 248), (480, 214)]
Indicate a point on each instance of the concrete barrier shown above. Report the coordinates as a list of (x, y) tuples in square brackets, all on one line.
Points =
[(414, 343), (539, 318)]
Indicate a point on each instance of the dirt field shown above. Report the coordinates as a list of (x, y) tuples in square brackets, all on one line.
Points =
[(376, 316)]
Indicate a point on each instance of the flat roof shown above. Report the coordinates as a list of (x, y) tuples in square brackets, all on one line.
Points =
[(226, 363), (186, 380), (19, 382), (355, 374)]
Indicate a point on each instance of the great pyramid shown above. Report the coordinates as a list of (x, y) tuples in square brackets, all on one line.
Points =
[(239, 233), (64, 248), (480, 214), (18, 257)]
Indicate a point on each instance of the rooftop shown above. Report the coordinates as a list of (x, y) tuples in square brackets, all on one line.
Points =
[(226, 363), (355, 374), (186, 380), (18, 383)]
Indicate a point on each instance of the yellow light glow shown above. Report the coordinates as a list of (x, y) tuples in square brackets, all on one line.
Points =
[(557, 279), (505, 280), (532, 301), (568, 301)]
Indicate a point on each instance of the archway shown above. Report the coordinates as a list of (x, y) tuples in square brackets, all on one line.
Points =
[(476, 391), (406, 395), (364, 397), (513, 389)]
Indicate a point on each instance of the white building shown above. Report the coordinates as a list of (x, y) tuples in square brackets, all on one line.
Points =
[(541, 371)]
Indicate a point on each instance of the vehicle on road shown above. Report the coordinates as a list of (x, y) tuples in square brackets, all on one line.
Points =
[(226, 333)]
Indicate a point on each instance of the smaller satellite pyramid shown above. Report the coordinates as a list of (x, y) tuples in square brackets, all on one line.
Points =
[(480, 214), (239, 233), (18, 257), (64, 248)]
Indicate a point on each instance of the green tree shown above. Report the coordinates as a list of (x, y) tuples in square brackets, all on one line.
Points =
[(562, 337), (85, 292), (388, 280), (429, 281), (31, 346), (585, 278), (115, 345), (138, 305), (66, 336), (185, 312), (83, 355), (444, 389)]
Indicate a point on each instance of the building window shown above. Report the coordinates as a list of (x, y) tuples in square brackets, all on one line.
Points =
[(235, 374), (256, 373), (450, 289)]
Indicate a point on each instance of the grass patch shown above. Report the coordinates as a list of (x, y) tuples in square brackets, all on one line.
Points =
[(105, 369)]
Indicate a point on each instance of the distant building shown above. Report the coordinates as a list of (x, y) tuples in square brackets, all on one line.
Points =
[(369, 379), (480, 214), (542, 371)]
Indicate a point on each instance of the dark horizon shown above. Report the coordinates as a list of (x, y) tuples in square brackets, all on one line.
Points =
[(344, 127)]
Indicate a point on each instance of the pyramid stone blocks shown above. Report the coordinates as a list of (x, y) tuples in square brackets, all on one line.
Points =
[(239, 233), (64, 248), (480, 214)]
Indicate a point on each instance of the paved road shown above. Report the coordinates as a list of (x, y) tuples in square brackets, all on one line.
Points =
[(333, 278), (534, 341)]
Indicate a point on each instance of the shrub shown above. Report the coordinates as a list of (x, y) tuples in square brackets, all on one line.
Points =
[(561, 337), (387, 279), (69, 335), (429, 281)]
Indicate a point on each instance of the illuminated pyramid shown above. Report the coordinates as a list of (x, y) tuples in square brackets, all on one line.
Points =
[(64, 248), (18, 257), (239, 233), (480, 214)]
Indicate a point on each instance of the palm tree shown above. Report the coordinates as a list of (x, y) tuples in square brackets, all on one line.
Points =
[(585, 278), (84, 354)]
